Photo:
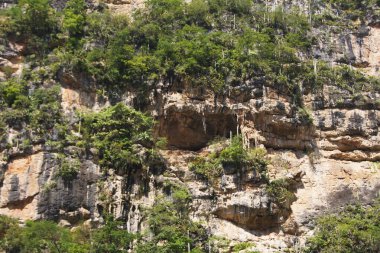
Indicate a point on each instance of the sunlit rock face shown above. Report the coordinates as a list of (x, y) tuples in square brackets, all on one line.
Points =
[(331, 156), (29, 189)]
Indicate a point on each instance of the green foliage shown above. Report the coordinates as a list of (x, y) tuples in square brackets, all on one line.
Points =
[(112, 237), (47, 236), (162, 143), (210, 168), (13, 94), (281, 191), (34, 17), (356, 229), (74, 20), (242, 246), (9, 234), (174, 41), (215, 43), (171, 228), (34, 22), (118, 132), (40, 110), (354, 9), (46, 109), (235, 155), (68, 169), (35, 237), (305, 115)]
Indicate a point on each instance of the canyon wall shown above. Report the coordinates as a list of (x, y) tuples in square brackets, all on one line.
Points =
[(330, 154)]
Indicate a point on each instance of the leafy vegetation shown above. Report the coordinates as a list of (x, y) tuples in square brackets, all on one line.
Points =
[(215, 44), (35, 23), (354, 9), (356, 229), (170, 225), (40, 110), (47, 236), (112, 237), (235, 155), (119, 133), (69, 168), (242, 246), (281, 191)]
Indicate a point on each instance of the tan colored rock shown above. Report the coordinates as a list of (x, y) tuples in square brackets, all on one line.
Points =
[(21, 186), (64, 223), (124, 6), (367, 51)]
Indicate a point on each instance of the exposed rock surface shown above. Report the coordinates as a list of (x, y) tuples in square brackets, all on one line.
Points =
[(331, 159), (30, 190)]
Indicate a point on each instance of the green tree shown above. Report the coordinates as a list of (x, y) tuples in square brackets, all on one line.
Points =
[(169, 222), (116, 132), (38, 236), (35, 23), (34, 17), (74, 20), (10, 234), (354, 230), (112, 237)]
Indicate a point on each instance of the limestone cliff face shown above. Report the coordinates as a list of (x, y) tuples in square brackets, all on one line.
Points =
[(329, 155), (330, 160), (30, 190)]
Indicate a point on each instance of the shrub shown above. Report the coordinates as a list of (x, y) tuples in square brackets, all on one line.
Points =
[(305, 115), (356, 229), (119, 133), (74, 20), (13, 94), (112, 237), (35, 22), (68, 169), (281, 192), (209, 168), (172, 230), (235, 155)]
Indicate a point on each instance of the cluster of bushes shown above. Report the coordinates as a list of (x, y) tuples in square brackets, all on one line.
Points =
[(119, 133), (215, 43), (68, 168), (122, 136), (47, 236), (170, 226), (36, 112), (281, 191), (241, 159), (354, 9), (234, 155), (356, 229)]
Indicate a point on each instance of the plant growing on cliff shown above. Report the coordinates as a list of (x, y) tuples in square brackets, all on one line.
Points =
[(68, 169), (120, 133), (354, 230), (242, 246), (209, 167), (74, 20), (35, 23), (281, 191), (234, 155), (170, 225), (112, 237), (9, 234)]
